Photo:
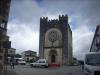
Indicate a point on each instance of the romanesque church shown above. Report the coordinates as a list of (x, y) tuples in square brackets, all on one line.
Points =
[(55, 42)]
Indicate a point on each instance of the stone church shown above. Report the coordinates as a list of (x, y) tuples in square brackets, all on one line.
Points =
[(55, 42)]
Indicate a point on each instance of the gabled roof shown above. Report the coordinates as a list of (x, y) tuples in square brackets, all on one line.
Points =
[(98, 26)]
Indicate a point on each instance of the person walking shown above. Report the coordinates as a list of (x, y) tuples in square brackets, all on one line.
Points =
[(12, 63), (82, 64)]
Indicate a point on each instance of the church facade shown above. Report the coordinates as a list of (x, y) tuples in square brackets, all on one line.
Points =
[(55, 42)]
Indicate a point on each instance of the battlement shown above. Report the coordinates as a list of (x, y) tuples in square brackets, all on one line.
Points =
[(62, 19), (44, 18), (52, 22), (63, 16)]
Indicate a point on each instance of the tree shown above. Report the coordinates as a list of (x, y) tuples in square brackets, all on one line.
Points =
[(17, 55)]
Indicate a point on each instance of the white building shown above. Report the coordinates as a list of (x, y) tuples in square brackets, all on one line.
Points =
[(11, 52), (29, 55)]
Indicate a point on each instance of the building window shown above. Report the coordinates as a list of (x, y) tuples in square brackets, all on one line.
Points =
[(1, 50), (98, 41), (1, 66), (27, 59), (0, 57), (2, 25)]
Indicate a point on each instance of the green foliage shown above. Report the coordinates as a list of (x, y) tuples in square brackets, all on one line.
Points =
[(17, 55)]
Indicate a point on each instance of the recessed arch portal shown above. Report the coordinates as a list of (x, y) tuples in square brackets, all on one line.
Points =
[(53, 56)]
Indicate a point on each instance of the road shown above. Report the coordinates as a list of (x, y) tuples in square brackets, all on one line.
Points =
[(27, 70)]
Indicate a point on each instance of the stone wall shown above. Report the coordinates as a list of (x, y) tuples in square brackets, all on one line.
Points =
[(66, 40), (58, 56), (3, 38)]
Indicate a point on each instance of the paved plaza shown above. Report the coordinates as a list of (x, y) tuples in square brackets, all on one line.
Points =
[(27, 70)]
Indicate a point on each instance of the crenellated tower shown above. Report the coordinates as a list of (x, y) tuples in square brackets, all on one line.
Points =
[(55, 36)]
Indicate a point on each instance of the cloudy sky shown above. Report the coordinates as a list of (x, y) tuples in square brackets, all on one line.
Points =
[(23, 25)]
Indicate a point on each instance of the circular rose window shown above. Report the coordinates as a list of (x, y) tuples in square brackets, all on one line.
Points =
[(52, 36)]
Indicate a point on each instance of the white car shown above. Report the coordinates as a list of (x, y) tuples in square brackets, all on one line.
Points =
[(92, 64), (40, 63), (22, 62)]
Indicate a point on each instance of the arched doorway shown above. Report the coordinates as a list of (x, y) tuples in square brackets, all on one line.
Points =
[(53, 56)]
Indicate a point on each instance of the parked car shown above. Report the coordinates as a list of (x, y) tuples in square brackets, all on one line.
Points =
[(40, 63), (20, 61), (92, 63)]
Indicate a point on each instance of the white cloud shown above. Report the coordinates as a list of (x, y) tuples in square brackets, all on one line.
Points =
[(82, 40), (25, 11), (23, 38), (23, 26)]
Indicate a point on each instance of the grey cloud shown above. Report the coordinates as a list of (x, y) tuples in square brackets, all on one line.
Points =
[(26, 12), (83, 16), (23, 38), (84, 12), (82, 40)]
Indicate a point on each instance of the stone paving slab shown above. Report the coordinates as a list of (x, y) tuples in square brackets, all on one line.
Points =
[(27, 70), (11, 72)]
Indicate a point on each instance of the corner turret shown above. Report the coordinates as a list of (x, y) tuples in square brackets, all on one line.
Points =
[(63, 19)]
